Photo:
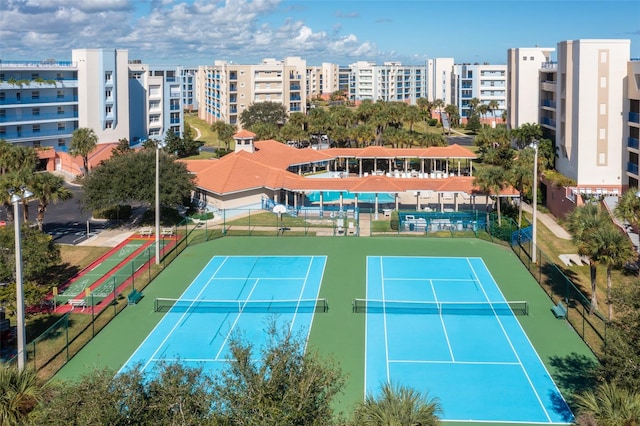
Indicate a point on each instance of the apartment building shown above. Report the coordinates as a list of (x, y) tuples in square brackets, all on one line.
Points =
[(390, 82), (322, 80), (227, 89), (189, 81), (38, 102), (484, 82), (439, 81), (524, 99), (633, 124), (156, 97)]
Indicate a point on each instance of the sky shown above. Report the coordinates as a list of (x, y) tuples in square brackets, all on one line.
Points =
[(198, 32)]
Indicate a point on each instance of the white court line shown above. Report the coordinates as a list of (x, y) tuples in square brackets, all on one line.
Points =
[(304, 284), (464, 280), (233, 326), (411, 361), (535, 391), (160, 322), (384, 319), (444, 327)]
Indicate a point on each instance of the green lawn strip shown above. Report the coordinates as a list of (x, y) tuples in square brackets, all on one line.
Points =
[(77, 287), (339, 333)]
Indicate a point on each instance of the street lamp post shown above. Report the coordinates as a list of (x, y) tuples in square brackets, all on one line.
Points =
[(534, 246), (157, 204), (16, 199)]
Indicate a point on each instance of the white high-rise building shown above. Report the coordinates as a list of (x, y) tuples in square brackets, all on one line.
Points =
[(483, 82), (103, 92), (439, 86), (524, 101), (632, 167), (391, 82), (591, 89)]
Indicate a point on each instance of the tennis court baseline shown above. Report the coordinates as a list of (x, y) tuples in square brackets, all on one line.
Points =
[(442, 325), (231, 296)]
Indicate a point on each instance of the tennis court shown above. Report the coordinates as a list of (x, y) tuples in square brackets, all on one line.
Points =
[(233, 294), (442, 324)]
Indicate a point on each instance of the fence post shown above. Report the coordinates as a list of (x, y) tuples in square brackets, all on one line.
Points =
[(115, 298)]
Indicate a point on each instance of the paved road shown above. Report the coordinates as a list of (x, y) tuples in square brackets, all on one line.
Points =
[(66, 221), (461, 140)]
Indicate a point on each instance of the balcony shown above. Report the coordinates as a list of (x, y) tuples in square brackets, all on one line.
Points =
[(25, 135), (632, 168), (633, 143), (548, 122), (634, 117), (38, 118), (548, 103), (40, 100)]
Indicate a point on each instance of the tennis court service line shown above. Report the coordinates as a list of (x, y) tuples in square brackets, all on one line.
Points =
[(233, 326), (444, 327), (164, 341), (304, 284), (413, 361), (535, 391)]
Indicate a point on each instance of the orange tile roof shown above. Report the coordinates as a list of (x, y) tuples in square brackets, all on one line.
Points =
[(267, 168), (244, 134)]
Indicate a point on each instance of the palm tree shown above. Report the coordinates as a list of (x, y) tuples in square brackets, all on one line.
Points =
[(582, 224), (411, 115), (225, 133), (492, 179), (20, 392), (397, 405), (83, 142), (614, 250), (492, 106), (425, 107), (521, 176), (47, 188), (609, 405), (628, 207)]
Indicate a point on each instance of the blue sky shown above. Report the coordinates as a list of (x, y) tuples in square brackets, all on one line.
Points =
[(197, 32)]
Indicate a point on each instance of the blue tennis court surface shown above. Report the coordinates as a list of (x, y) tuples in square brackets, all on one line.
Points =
[(233, 294), (478, 361)]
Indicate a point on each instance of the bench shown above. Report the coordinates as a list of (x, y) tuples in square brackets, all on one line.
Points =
[(134, 297), (75, 303), (559, 310)]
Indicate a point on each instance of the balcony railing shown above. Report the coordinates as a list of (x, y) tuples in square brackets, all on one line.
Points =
[(40, 100), (39, 117), (634, 117), (24, 134), (633, 143), (632, 168), (549, 122), (548, 103)]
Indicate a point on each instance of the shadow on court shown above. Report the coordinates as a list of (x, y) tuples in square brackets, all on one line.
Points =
[(574, 374)]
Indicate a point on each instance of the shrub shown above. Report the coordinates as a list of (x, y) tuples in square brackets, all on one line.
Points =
[(114, 213)]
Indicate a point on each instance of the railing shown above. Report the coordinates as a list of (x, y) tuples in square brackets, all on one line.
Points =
[(39, 100), (633, 143), (548, 103), (39, 117), (634, 117), (632, 168)]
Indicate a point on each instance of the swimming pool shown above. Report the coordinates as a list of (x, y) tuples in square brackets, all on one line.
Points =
[(331, 196)]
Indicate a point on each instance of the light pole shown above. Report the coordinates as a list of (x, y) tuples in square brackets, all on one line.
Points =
[(16, 199), (534, 245), (158, 204)]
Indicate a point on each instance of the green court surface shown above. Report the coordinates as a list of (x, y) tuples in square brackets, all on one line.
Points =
[(339, 333)]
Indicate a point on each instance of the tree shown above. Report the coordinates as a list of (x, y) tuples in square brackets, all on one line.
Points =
[(473, 122), (397, 405), (20, 392), (454, 115), (122, 148), (609, 405), (265, 131), (521, 176), (425, 107), (628, 207), (83, 142), (131, 178), (173, 395), (582, 224), (614, 251), (225, 133), (493, 106), (47, 188), (524, 135), (286, 385), (492, 179), (263, 112)]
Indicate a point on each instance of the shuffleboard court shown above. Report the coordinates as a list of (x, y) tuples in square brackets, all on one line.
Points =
[(443, 326), (232, 296)]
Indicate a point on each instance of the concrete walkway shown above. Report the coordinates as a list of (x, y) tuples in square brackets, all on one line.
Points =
[(549, 221)]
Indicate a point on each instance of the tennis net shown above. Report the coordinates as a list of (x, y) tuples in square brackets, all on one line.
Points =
[(237, 306), (445, 308)]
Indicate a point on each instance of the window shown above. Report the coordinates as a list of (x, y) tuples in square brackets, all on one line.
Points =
[(37, 144), (108, 125), (59, 76), (35, 94), (36, 128), (603, 57), (60, 94), (154, 104), (3, 113), (61, 126), (524, 58), (35, 76), (603, 133), (108, 109), (107, 93), (60, 110), (603, 109), (107, 76), (2, 95), (603, 82), (35, 111), (154, 132), (154, 90), (3, 130), (61, 142), (531, 58), (154, 118)]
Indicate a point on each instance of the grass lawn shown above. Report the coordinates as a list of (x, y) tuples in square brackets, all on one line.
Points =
[(81, 256)]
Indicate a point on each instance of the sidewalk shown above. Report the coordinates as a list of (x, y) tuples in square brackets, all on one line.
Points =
[(549, 221)]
